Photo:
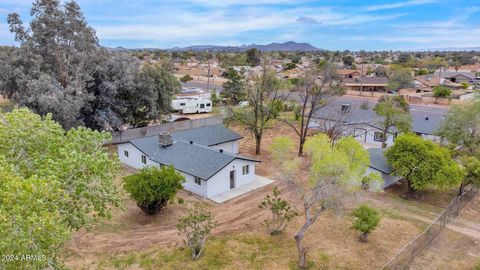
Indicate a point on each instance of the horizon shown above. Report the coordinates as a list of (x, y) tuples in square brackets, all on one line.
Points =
[(410, 25)]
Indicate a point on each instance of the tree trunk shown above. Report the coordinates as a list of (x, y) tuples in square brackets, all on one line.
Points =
[(462, 188), (302, 251), (411, 190), (300, 147), (363, 237), (258, 141)]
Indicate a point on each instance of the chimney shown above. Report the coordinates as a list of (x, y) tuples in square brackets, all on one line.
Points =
[(426, 118), (165, 139), (221, 150), (191, 142)]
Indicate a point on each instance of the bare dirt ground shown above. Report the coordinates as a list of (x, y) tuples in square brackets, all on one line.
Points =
[(130, 231)]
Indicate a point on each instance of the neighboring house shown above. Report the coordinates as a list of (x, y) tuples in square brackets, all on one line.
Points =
[(427, 83), (455, 77), (366, 84), (348, 73), (355, 117), (378, 164), (207, 157)]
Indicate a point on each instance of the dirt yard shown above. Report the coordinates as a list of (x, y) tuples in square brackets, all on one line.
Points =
[(132, 240)]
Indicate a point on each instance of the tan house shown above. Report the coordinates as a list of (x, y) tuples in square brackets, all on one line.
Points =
[(348, 73), (366, 84)]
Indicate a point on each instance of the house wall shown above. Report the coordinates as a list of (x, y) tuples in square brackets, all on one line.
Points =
[(190, 185), (220, 182), (231, 147), (134, 158), (366, 134)]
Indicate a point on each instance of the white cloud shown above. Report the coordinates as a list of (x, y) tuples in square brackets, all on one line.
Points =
[(399, 5)]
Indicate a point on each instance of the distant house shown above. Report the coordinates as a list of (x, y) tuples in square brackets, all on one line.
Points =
[(207, 157), (378, 164), (355, 117), (366, 84), (455, 77), (427, 83), (348, 73)]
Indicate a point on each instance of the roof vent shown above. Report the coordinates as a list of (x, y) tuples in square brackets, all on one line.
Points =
[(346, 108), (165, 139), (191, 142), (426, 118), (221, 150)]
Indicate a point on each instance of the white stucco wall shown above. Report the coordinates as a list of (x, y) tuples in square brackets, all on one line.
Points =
[(190, 185), (134, 158), (220, 182), (366, 134), (231, 147)]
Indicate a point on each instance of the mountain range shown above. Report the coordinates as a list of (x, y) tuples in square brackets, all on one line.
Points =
[(290, 46)]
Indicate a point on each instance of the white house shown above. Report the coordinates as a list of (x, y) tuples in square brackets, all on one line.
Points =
[(355, 117), (206, 156)]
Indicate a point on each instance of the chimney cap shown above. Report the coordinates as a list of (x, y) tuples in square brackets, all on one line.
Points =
[(165, 139)]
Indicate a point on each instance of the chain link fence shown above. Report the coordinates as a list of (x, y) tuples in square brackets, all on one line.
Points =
[(405, 256)]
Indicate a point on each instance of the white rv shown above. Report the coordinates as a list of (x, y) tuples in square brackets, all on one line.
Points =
[(189, 105)]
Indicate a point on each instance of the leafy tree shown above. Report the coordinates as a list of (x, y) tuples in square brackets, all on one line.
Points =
[(380, 71), (348, 60), (234, 88), (394, 112), (195, 227), (423, 164), (399, 78), (60, 68), (289, 66), (335, 173), (253, 57), (464, 85), (75, 159), (53, 182), (31, 220), (186, 78), (314, 94), (441, 91), (263, 96), (366, 219), (151, 188), (461, 126), (472, 172), (282, 212)]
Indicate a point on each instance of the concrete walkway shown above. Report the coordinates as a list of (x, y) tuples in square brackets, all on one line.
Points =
[(232, 193)]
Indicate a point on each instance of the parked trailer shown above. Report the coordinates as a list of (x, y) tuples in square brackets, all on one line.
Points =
[(186, 106)]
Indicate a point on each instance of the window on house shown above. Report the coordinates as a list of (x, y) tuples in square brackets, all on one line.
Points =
[(182, 104), (144, 159), (198, 181), (245, 169), (125, 153), (378, 137), (208, 104), (202, 106)]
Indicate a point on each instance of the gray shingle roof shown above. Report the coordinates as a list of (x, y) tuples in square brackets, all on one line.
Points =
[(366, 80), (378, 161), (209, 135), (194, 159)]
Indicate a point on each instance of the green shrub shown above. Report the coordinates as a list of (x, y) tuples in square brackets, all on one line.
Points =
[(365, 220), (152, 188)]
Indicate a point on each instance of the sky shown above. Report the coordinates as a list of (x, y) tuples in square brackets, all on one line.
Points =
[(332, 25)]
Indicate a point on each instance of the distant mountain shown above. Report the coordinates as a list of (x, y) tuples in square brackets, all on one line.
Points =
[(289, 46)]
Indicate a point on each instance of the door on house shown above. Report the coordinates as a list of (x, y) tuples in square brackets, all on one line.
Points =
[(232, 179)]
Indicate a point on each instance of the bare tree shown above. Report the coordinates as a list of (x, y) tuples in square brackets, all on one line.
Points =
[(265, 95), (335, 173), (315, 90)]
